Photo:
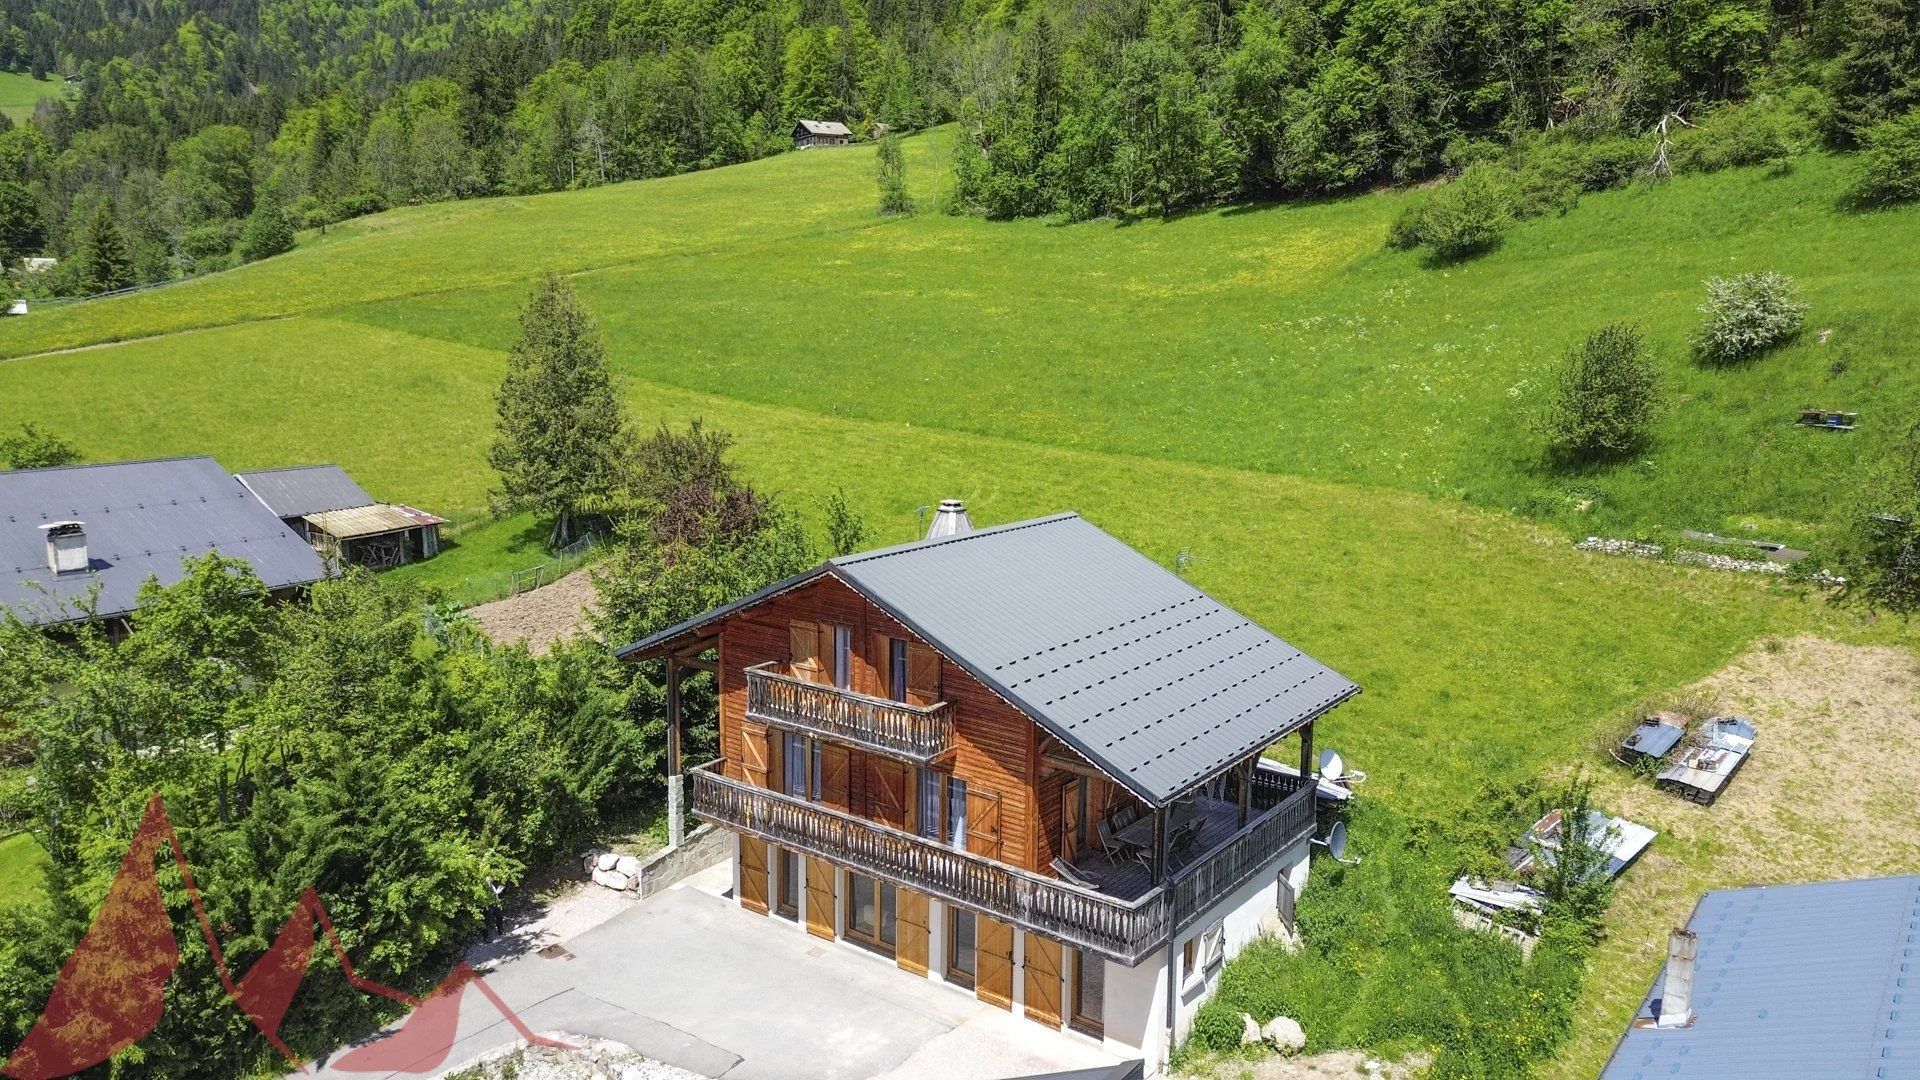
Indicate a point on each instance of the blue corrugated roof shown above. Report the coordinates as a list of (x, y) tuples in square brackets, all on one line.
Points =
[(1793, 981), (305, 489), (142, 518), (1152, 680)]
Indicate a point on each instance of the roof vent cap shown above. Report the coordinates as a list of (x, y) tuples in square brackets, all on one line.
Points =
[(66, 546), (950, 520)]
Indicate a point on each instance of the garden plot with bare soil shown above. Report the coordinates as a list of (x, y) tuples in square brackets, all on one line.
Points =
[(540, 617), (1832, 790)]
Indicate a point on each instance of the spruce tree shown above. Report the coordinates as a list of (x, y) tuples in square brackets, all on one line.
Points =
[(106, 262), (893, 177), (560, 421), (267, 233)]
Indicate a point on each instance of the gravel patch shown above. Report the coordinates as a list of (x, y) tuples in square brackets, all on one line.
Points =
[(540, 617)]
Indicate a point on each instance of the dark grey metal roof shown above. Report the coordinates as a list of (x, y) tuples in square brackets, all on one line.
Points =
[(142, 518), (1793, 981), (305, 489), (1150, 679)]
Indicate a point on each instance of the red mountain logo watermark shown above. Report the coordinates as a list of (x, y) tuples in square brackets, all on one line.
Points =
[(110, 991)]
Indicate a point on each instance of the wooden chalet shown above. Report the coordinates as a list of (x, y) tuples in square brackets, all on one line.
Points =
[(811, 133), (1021, 760)]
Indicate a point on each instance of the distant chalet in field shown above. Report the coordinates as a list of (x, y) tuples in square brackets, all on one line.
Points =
[(341, 521), (65, 532), (811, 133)]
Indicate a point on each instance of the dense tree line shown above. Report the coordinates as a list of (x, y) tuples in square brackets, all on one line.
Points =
[(1132, 106), (192, 116)]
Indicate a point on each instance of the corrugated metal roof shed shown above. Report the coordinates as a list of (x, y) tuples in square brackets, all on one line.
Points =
[(142, 518), (372, 520), (305, 489), (1792, 981), (1152, 680)]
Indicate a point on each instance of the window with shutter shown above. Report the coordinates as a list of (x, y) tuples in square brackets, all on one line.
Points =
[(805, 646), (923, 675)]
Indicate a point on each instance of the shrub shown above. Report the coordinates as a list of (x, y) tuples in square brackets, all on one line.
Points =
[(1605, 399), (1887, 170), (1759, 132), (268, 232), (206, 247), (1216, 1026), (1404, 233), (1467, 216), (1747, 315)]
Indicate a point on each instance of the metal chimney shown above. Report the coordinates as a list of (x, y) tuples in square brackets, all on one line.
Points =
[(1676, 988), (66, 546), (950, 520)]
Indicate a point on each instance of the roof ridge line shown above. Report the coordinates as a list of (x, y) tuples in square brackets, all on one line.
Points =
[(109, 464), (975, 534)]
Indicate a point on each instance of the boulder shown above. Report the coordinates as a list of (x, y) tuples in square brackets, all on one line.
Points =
[(612, 879), (628, 865), (1249, 1030), (1285, 1035), (609, 861)]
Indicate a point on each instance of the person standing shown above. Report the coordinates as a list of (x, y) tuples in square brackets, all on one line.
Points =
[(496, 919)]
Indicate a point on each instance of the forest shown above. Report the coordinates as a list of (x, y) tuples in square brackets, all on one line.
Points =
[(207, 131)]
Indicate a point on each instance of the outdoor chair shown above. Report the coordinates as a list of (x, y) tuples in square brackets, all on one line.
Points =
[(1110, 846), (1072, 875)]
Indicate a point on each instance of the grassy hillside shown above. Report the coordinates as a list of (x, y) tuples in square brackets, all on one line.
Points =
[(1332, 431), (20, 92), (1275, 339)]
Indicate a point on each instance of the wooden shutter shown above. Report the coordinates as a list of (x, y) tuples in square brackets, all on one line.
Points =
[(806, 648), (983, 823), (754, 759), (923, 675), (993, 982), (753, 874), (882, 666), (910, 930), (836, 762), (820, 902), (1043, 980), (887, 789)]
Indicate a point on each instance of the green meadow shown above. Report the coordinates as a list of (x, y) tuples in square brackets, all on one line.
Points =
[(21, 865), (20, 92), (1333, 434)]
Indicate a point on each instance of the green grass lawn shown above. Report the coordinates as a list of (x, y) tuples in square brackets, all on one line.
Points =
[(1332, 431), (21, 863), (20, 92)]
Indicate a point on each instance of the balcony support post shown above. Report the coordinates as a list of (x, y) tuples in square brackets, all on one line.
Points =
[(1245, 775), (1306, 754), (676, 794), (1160, 862)]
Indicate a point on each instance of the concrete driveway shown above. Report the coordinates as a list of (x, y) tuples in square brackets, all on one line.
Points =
[(689, 979)]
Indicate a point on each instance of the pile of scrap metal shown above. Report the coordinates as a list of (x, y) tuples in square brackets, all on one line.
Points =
[(1709, 759), (1479, 903)]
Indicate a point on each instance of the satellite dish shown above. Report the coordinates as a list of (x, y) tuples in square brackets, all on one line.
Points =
[(1332, 767), (1336, 843)]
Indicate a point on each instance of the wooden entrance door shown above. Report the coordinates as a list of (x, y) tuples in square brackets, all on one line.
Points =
[(1043, 980), (993, 982), (820, 898), (753, 874), (911, 931)]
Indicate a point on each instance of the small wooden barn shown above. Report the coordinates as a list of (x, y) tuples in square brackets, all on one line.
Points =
[(811, 133), (341, 521)]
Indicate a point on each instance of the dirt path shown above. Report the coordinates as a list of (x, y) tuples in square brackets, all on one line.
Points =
[(540, 617), (1832, 790)]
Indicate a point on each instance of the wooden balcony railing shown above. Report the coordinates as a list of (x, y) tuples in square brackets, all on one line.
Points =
[(916, 733), (1127, 931)]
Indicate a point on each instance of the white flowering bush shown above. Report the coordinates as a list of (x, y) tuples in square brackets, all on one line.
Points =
[(1746, 316)]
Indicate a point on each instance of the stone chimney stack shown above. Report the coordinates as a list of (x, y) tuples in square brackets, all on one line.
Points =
[(1676, 988)]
